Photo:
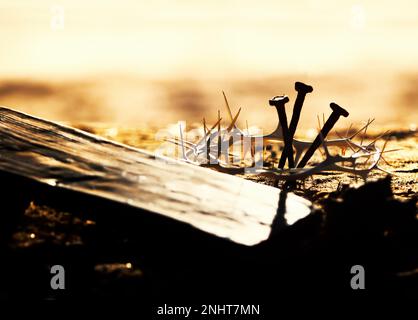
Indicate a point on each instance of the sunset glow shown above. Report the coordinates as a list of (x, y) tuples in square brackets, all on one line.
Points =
[(252, 50)]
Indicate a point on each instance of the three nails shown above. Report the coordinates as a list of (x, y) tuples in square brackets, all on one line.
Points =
[(289, 131)]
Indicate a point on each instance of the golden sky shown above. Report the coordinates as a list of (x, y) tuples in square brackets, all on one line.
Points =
[(173, 58), (161, 38)]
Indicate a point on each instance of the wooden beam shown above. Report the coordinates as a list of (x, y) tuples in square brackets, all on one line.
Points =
[(66, 158)]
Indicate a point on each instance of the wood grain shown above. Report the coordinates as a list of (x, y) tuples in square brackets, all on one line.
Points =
[(64, 157)]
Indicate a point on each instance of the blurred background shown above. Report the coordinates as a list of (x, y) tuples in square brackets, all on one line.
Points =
[(139, 63)]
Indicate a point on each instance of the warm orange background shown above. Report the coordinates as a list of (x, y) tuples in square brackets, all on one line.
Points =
[(157, 62)]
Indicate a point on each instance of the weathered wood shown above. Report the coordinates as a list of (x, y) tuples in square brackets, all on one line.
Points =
[(64, 157)]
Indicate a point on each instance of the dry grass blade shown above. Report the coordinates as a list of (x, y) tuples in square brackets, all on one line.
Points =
[(227, 107), (234, 120)]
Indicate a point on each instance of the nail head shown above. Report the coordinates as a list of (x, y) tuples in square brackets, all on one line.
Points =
[(278, 100), (341, 111), (300, 86)]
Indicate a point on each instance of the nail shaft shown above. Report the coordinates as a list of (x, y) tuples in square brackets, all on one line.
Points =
[(337, 112), (279, 102), (302, 90)]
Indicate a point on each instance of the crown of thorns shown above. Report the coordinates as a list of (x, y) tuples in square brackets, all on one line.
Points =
[(215, 148)]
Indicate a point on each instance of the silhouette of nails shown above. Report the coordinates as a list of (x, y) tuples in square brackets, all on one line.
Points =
[(337, 112), (302, 90), (279, 102)]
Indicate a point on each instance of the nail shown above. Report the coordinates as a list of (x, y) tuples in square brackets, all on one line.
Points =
[(337, 112), (302, 90), (279, 102)]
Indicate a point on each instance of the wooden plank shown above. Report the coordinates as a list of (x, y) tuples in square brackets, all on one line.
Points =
[(217, 203)]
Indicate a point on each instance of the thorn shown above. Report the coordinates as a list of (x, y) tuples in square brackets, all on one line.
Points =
[(365, 131), (386, 171), (387, 163), (233, 121), (360, 130), (345, 141), (188, 144), (182, 144), (362, 136), (384, 146), (204, 127), (391, 150), (227, 107), (319, 122), (378, 137), (349, 129), (207, 138), (219, 134), (214, 126)]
